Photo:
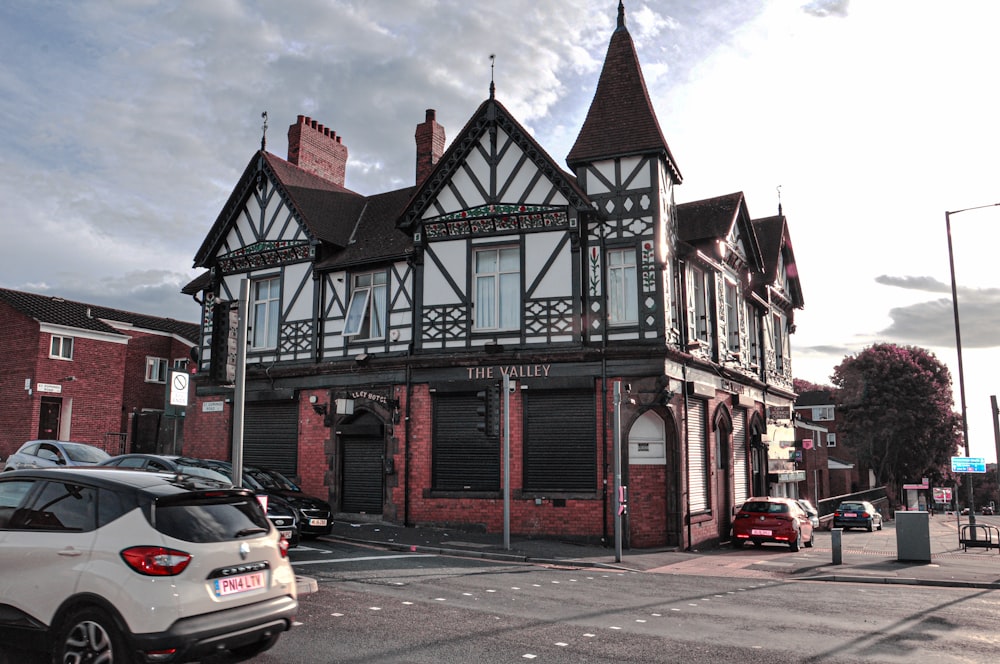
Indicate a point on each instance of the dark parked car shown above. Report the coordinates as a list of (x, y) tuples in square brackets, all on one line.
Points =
[(54, 453), (857, 514), (315, 514), (772, 519), (281, 514)]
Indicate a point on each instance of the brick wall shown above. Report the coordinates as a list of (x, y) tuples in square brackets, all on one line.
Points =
[(18, 407)]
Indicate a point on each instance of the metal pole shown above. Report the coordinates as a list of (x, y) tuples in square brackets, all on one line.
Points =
[(617, 447), (958, 348), (239, 384), (996, 433), (506, 462)]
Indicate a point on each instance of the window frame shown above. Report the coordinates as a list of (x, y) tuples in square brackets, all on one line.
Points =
[(270, 306), (732, 300), (496, 322), (61, 353), (156, 369), (623, 294), (359, 315)]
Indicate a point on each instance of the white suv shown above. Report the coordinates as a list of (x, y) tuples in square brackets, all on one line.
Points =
[(130, 566)]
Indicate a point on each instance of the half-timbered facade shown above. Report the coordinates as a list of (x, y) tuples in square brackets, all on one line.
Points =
[(380, 328)]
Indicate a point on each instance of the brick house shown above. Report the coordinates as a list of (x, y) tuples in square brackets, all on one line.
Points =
[(82, 372), (380, 328)]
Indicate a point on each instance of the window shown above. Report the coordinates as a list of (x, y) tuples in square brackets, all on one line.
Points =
[(822, 413), (181, 364), (831, 440), (732, 319), (498, 288), (753, 335), (61, 348), (156, 370), (623, 294), (264, 300), (366, 311), (700, 321), (779, 344)]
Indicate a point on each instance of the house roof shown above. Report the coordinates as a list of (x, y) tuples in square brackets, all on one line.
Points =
[(57, 311), (815, 398), (775, 244), (712, 219), (375, 233), (621, 120)]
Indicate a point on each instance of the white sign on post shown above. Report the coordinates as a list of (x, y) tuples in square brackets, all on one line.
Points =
[(179, 382)]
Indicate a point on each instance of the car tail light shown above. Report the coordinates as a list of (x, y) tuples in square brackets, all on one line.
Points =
[(156, 560), (283, 547), (864, 515)]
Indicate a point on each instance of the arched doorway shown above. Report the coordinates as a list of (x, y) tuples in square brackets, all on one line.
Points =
[(723, 473), (654, 518), (362, 479)]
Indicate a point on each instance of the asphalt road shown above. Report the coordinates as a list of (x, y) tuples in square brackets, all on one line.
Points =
[(415, 609)]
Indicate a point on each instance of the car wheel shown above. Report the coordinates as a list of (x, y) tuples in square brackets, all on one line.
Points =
[(809, 543), (794, 544), (252, 650), (870, 526), (880, 525), (89, 635)]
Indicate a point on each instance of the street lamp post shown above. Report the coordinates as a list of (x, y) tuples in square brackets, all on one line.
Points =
[(958, 346)]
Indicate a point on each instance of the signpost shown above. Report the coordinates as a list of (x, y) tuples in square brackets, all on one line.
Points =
[(968, 465)]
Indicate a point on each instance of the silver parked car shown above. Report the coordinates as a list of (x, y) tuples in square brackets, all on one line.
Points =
[(54, 453), (165, 567)]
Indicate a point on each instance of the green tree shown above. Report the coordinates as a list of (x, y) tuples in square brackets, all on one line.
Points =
[(895, 404)]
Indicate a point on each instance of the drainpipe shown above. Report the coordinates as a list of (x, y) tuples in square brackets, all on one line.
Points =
[(406, 451), (687, 457)]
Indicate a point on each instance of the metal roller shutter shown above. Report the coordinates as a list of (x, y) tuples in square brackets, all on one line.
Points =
[(271, 435), (560, 441), (740, 457), (363, 476), (697, 468), (465, 459)]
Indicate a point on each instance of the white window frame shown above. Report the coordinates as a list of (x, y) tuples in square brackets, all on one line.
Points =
[(366, 314), (822, 413), (265, 308), (180, 363), (700, 305), (778, 321), (732, 317), (623, 287), (61, 348), (494, 309), (753, 334), (831, 440), (156, 369)]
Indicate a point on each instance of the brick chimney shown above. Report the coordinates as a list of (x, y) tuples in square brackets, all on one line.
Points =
[(317, 149), (430, 145)]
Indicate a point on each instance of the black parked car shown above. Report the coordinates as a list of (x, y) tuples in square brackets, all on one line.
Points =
[(280, 513), (315, 514)]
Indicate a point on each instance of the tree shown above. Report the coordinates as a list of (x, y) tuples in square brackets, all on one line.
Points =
[(801, 386), (895, 404)]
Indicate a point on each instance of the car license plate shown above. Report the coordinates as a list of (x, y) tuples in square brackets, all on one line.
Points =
[(317, 522), (760, 531), (850, 515), (287, 534), (231, 585)]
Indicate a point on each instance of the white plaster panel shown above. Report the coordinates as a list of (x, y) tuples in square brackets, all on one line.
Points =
[(467, 188), (558, 281), (446, 200), (301, 307), (641, 179), (452, 254)]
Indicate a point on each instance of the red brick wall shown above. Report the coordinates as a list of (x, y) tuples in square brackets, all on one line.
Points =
[(314, 436), (317, 149), (18, 408), (207, 435)]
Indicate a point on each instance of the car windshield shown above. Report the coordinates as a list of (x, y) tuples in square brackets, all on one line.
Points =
[(852, 507), (85, 453), (272, 479)]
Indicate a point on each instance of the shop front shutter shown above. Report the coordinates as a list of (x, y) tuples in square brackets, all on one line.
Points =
[(363, 483), (560, 441), (464, 458), (697, 470), (740, 456), (271, 435)]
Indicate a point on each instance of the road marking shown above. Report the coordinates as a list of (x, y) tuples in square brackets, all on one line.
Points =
[(361, 559)]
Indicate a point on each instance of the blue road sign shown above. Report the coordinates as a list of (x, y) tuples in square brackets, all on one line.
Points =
[(968, 465)]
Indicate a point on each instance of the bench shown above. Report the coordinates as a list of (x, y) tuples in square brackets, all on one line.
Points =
[(979, 535)]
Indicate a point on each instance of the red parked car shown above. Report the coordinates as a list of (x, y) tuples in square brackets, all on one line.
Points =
[(772, 519)]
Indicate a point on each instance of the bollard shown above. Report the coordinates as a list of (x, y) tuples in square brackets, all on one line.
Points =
[(835, 544)]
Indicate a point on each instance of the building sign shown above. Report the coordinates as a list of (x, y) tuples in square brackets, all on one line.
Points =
[(968, 465), (795, 476), (49, 387), (212, 406), (513, 370), (779, 412), (370, 396)]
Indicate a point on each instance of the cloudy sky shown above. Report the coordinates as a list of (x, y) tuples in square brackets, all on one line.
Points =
[(126, 123)]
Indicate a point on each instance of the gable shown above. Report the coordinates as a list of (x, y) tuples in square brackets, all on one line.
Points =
[(494, 170)]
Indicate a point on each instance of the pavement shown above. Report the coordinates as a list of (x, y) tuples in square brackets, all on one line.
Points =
[(864, 557)]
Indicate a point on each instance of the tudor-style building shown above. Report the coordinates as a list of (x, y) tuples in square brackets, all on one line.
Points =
[(381, 325)]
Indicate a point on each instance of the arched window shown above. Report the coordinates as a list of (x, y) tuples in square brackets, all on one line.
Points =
[(647, 440)]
